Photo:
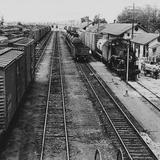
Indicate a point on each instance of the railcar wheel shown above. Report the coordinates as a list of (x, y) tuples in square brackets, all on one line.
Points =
[(77, 59), (97, 155), (120, 155)]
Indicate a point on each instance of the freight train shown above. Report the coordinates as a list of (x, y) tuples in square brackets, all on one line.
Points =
[(38, 33), (78, 49), (17, 69), (113, 52)]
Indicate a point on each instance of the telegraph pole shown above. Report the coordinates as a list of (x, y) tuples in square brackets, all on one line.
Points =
[(98, 22), (128, 46), (127, 71), (133, 21)]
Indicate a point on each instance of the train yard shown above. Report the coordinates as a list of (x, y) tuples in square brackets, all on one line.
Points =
[(71, 110)]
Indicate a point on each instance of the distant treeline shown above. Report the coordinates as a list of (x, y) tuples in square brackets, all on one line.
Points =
[(148, 17)]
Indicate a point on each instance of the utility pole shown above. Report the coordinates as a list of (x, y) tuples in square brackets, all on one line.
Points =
[(127, 71), (133, 21), (128, 46), (2, 20), (98, 22)]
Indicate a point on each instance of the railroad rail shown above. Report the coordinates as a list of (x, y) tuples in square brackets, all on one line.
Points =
[(55, 133), (42, 47), (147, 99), (148, 89), (121, 129)]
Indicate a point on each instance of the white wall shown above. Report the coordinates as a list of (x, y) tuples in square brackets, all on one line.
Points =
[(135, 32), (151, 45)]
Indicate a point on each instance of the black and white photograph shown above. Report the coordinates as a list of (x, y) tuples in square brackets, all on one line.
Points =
[(79, 80)]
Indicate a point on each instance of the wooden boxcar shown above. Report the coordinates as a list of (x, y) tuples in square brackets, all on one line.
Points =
[(12, 82), (28, 46)]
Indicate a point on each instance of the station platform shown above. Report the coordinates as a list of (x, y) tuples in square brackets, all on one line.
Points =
[(138, 102), (149, 88)]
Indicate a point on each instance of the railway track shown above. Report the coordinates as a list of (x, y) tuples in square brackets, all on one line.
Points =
[(41, 49), (119, 127), (55, 134), (148, 89), (147, 94)]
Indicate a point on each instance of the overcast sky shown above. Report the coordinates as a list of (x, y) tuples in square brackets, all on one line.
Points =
[(59, 10)]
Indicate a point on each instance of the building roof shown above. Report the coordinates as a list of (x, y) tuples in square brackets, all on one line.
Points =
[(112, 28), (94, 28), (8, 55), (144, 38), (117, 28)]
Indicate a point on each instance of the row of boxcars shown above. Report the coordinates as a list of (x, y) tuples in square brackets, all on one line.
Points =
[(38, 33), (17, 69), (78, 49)]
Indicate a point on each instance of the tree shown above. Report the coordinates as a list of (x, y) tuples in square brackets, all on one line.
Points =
[(148, 17), (85, 19), (97, 19), (19, 23)]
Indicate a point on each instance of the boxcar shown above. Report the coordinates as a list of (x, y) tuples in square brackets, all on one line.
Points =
[(12, 79), (27, 45)]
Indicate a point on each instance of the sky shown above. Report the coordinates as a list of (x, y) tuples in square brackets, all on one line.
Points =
[(64, 10)]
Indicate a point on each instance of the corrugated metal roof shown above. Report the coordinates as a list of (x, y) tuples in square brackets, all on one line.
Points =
[(24, 41), (15, 40), (112, 28), (3, 38), (116, 28), (9, 56), (3, 50), (144, 38)]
